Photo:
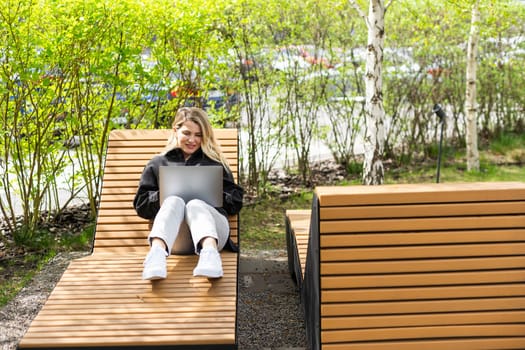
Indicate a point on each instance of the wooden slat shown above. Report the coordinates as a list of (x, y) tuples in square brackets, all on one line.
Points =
[(423, 279), (381, 321), (125, 170), (223, 336), (422, 265), (414, 293), (418, 252), (418, 238), (420, 224), (422, 210), (162, 135), (485, 343), (421, 193), (422, 307), (456, 331)]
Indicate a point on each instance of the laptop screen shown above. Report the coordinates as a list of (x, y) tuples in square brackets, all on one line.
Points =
[(192, 182)]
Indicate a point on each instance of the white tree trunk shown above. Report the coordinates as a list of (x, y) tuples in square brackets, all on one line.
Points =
[(373, 170), (470, 98)]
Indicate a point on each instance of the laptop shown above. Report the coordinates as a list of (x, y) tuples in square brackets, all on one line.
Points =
[(192, 182)]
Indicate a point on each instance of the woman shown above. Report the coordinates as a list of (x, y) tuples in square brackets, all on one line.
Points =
[(192, 143)]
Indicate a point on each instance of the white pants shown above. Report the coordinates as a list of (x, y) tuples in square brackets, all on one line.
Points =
[(182, 226)]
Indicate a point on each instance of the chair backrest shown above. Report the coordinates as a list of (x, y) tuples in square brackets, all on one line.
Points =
[(118, 228), (416, 266)]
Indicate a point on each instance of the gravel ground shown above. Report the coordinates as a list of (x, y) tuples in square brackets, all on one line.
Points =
[(270, 314)]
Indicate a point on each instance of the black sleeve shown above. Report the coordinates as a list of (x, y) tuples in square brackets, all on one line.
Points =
[(233, 194), (146, 202)]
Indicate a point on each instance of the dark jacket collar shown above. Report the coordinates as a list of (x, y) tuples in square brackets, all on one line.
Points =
[(176, 155)]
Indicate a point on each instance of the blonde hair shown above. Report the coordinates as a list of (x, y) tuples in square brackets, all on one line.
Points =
[(209, 144)]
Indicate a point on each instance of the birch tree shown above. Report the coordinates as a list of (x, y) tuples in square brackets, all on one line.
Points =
[(373, 169), (470, 101)]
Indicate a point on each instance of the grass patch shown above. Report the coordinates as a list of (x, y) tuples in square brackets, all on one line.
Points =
[(80, 241), (18, 271), (507, 148), (506, 142), (459, 173), (262, 223), (501, 160)]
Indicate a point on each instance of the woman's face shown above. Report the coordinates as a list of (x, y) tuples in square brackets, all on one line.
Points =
[(189, 136)]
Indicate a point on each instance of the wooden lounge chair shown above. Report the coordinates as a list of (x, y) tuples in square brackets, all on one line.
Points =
[(418, 266), (101, 300)]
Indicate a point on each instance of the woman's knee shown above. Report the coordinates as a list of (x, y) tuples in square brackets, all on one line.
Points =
[(196, 203), (173, 203)]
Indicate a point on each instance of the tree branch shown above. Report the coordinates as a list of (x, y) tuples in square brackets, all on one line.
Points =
[(360, 11), (388, 4)]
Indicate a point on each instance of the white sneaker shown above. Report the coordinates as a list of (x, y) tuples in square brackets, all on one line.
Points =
[(155, 264), (209, 265)]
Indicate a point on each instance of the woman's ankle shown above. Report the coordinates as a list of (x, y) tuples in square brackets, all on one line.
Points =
[(157, 242)]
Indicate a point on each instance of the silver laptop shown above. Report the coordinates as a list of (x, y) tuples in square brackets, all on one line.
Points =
[(192, 182)]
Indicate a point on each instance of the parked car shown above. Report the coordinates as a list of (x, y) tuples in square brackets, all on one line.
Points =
[(317, 56), (300, 57), (215, 97), (288, 58)]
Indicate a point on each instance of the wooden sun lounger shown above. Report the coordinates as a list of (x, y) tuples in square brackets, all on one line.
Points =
[(101, 300), (421, 266)]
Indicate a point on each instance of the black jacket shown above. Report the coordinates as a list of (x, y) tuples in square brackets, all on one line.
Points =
[(147, 203)]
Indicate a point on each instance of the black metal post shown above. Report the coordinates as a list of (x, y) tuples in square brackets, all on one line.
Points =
[(441, 114)]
